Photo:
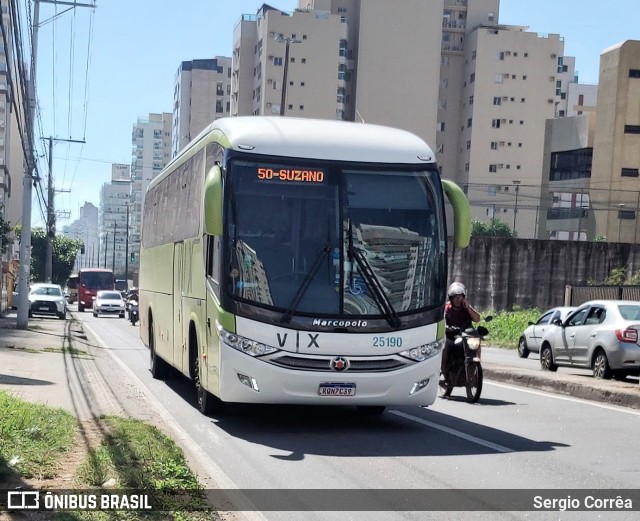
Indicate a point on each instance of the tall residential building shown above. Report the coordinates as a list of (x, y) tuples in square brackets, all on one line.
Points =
[(511, 87), (478, 92), (11, 151), (592, 161), (615, 185), (151, 139), (202, 94), (86, 229), (319, 70), (114, 200)]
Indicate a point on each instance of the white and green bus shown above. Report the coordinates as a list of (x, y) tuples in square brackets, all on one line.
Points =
[(298, 261)]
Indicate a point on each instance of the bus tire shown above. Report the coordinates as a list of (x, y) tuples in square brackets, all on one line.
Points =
[(207, 403), (157, 366)]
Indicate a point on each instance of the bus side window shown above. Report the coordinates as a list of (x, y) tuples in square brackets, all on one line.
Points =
[(213, 261)]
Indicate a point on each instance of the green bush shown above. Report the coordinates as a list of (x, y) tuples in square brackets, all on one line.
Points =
[(507, 326)]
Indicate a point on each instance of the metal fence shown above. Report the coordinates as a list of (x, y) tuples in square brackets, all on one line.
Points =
[(577, 295)]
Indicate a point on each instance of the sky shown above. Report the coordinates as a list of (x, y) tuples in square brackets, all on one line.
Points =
[(100, 70)]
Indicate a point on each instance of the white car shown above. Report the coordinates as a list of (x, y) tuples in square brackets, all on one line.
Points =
[(108, 302), (532, 336), (47, 299)]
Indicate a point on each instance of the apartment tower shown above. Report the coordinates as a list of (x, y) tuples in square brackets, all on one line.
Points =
[(201, 95)]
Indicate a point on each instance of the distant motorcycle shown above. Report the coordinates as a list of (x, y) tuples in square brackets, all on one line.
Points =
[(134, 312), (465, 369)]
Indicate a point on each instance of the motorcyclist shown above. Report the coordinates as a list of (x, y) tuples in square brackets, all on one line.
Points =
[(458, 313)]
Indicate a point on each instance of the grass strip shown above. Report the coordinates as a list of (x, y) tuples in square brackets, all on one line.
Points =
[(33, 437)]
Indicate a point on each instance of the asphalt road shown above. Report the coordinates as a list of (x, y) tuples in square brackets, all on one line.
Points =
[(514, 438)]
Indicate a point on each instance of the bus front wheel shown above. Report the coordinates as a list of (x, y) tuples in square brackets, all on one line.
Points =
[(208, 404)]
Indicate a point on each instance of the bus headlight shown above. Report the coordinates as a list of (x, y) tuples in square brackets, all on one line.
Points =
[(424, 352), (245, 345)]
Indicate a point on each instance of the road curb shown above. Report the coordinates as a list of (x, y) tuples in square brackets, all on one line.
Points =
[(606, 391)]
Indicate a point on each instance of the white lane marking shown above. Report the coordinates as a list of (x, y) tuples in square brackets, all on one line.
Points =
[(547, 394), (218, 476), (453, 432)]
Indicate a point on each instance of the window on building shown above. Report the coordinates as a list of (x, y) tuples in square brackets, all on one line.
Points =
[(571, 164), (629, 172), (497, 100), (277, 60), (632, 129), (494, 145), (626, 214), (499, 78), (469, 122), (634, 73), (472, 78), (495, 123)]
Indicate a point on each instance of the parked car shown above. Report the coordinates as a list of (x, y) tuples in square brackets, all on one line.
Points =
[(600, 334), (108, 302), (47, 299), (531, 336)]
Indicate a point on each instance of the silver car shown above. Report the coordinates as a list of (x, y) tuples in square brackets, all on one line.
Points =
[(47, 299), (108, 302), (600, 334), (531, 337)]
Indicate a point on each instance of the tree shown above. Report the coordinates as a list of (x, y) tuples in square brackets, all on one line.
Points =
[(5, 232), (495, 228), (64, 256)]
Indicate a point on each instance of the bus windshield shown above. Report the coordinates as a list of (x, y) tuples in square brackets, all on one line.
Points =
[(335, 239), (96, 280)]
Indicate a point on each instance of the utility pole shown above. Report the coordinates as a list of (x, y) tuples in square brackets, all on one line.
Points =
[(51, 214), (106, 243), (113, 265), (288, 41), (126, 251)]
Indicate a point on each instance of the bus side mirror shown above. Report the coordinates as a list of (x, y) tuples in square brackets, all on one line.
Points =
[(461, 213), (213, 202)]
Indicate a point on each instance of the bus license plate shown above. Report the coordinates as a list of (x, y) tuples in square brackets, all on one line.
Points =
[(337, 389)]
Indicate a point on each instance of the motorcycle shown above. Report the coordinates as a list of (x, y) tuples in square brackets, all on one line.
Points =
[(465, 368), (134, 312)]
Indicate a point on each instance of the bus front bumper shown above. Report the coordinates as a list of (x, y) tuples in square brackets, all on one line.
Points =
[(246, 379)]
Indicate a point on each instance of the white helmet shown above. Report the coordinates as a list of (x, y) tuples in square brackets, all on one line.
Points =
[(456, 288)]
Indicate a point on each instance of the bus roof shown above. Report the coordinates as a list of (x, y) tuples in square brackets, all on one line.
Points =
[(319, 139), (82, 270)]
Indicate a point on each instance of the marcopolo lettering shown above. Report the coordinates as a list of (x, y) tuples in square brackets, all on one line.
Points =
[(338, 323)]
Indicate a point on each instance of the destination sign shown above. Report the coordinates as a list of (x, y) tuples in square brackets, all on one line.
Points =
[(291, 174)]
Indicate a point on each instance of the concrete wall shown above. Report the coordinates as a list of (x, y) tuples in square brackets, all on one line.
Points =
[(501, 273)]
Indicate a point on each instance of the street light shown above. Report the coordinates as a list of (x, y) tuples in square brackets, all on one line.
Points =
[(106, 243), (126, 251), (288, 41), (620, 207), (515, 208), (113, 262)]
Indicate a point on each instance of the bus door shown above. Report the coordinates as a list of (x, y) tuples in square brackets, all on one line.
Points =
[(178, 265)]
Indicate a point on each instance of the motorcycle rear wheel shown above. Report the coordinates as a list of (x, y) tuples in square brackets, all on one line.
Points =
[(474, 382)]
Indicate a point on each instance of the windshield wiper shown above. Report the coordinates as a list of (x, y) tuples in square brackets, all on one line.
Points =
[(382, 301), (304, 285)]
